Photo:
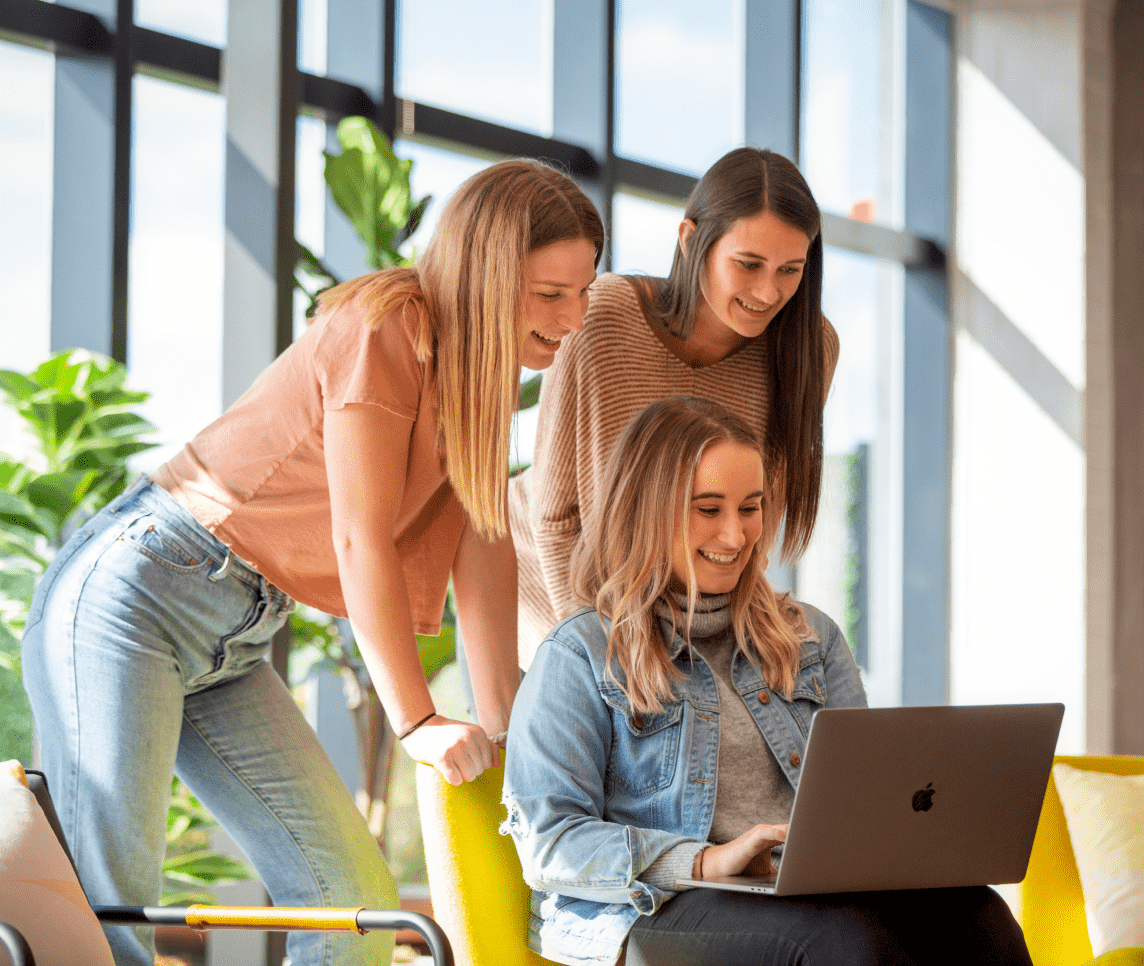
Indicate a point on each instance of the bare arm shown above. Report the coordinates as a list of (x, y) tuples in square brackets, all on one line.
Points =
[(366, 450), (484, 583)]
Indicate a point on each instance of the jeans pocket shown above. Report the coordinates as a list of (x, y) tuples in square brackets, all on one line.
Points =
[(165, 546), (65, 553)]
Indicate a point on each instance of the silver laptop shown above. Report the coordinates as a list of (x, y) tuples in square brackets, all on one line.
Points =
[(913, 798)]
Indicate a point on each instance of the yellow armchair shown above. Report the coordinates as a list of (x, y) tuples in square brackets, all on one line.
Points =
[(479, 895), (1051, 901)]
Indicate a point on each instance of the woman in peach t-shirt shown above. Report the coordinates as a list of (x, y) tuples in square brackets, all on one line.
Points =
[(365, 466)]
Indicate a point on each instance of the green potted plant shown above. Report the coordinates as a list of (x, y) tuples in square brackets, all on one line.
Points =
[(77, 409)]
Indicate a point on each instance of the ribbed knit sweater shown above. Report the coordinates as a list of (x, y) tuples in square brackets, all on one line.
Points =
[(601, 378)]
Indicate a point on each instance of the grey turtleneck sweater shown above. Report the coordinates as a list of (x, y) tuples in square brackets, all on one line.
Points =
[(750, 788)]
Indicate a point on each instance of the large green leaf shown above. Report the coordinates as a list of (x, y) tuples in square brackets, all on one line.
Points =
[(60, 493), (17, 386), (19, 512), (529, 393), (371, 185)]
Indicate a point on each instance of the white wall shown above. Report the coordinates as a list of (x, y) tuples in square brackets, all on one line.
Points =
[(1018, 514)]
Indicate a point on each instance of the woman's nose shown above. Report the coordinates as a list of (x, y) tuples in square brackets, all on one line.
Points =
[(573, 319), (766, 289)]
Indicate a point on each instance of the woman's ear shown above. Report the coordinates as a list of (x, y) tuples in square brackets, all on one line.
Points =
[(686, 227)]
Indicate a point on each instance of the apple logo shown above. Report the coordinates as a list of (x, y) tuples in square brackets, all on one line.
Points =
[(923, 798)]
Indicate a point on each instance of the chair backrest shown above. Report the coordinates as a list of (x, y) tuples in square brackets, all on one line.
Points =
[(479, 895), (1051, 901)]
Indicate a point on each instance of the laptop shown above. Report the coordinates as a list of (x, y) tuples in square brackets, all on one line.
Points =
[(913, 798)]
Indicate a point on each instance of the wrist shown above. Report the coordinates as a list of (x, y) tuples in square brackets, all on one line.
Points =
[(413, 727), (697, 864)]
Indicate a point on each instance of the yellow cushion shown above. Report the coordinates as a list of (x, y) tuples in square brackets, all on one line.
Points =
[(1051, 901), (479, 895), (1120, 957), (1105, 818)]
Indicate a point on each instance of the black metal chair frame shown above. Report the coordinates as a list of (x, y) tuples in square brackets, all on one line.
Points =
[(225, 917)]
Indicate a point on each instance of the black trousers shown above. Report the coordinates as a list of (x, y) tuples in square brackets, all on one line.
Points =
[(921, 927)]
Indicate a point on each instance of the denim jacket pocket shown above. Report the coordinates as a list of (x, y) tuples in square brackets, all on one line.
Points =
[(809, 691), (644, 746)]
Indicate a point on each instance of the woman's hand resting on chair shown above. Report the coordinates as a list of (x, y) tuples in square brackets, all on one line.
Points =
[(460, 751), (748, 854)]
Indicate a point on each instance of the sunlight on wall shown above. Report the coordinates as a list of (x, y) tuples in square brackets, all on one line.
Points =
[(1018, 554), (1021, 225)]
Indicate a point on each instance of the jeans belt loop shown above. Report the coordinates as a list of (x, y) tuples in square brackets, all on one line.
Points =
[(222, 571)]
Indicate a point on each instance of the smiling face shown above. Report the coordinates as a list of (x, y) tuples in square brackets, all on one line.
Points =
[(556, 280), (724, 518), (749, 275)]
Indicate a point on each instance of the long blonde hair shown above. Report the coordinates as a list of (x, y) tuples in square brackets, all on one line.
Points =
[(467, 292), (622, 565)]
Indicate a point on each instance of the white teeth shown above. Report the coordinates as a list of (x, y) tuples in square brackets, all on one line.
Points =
[(546, 340), (750, 307), (720, 558)]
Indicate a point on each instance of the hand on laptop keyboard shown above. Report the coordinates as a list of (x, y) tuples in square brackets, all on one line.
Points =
[(748, 854)]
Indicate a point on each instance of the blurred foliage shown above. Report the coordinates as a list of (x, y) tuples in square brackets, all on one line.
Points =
[(191, 870), (78, 411)]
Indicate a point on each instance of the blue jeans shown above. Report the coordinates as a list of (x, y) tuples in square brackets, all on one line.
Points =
[(144, 654)]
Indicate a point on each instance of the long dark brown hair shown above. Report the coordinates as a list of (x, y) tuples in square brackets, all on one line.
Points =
[(740, 184)]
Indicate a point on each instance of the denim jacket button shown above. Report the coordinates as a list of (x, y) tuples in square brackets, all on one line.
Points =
[(635, 895), (764, 697), (795, 759)]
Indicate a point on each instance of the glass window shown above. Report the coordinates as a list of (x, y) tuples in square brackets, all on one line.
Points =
[(201, 20), (309, 200), (644, 233), (312, 35), (679, 87), (437, 172), (175, 311), (846, 109), (838, 572), (26, 112), (492, 60)]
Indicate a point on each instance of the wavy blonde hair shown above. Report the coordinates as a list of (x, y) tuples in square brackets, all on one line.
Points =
[(467, 293), (622, 565)]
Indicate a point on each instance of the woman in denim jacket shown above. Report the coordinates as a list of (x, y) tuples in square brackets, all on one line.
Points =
[(659, 735)]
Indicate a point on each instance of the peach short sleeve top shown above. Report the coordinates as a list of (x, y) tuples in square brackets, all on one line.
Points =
[(256, 476)]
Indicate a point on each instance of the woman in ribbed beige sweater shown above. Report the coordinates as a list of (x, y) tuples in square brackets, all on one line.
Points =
[(738, 320)]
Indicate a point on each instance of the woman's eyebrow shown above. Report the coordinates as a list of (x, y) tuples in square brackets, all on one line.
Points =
[(712, 495), (763, 258)]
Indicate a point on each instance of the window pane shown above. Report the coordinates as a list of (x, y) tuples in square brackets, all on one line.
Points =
[(644, 233), (309, 200), (492, 60), (201, 20), (679, 88), (435, 172), (846, 108), (26, 112), (175, 314), (312, 38), (837, 572)]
